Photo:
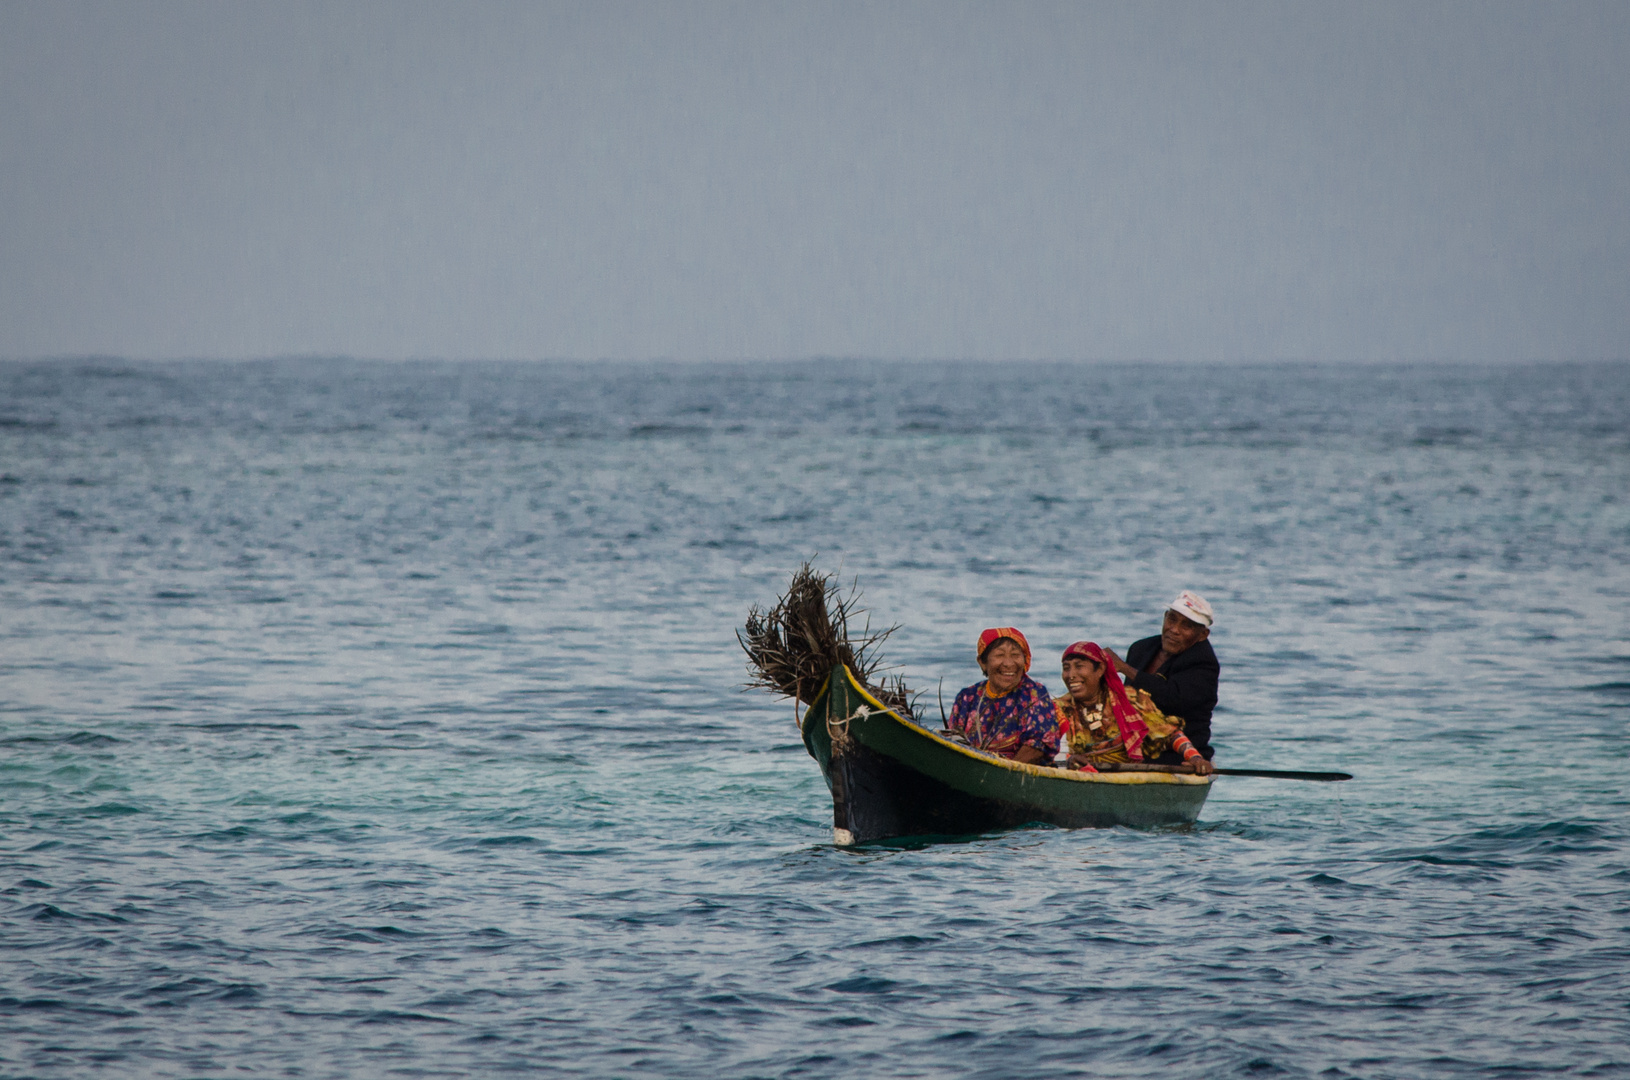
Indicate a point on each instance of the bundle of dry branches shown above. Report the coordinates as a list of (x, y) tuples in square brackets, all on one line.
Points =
[(794, 646)]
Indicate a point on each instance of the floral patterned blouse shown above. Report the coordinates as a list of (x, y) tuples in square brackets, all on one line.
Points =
[(1024, 716)]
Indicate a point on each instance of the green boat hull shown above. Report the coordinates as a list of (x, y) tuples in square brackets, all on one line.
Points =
[(890, 778)]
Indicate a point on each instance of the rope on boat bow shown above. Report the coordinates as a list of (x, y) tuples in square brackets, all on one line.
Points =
[(839, 729)]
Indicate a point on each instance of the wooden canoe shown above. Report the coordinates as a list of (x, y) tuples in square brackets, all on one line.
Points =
[(892, 778)]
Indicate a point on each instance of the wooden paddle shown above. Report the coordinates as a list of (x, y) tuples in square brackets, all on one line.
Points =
[(1284, 774), (1275, 774)]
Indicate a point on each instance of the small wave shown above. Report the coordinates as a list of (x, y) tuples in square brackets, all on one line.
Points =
[(246, 725), (393, 1016), (236, 832), (1503, 847), (202, 989), (1443, 436), (14, 1004), (376, 935), (91, 738), (1328, 881), (78, 738), (370, 1016), (52, 913), (112, 810), (907, 940), (863, 984), (723, 544), (651, 431), (1546, 831)]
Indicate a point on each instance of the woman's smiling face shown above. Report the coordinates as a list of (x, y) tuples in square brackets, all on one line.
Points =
[(1085, 678), (1003, 664)]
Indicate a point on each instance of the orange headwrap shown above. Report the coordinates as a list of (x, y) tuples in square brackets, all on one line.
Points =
[(995, 634)]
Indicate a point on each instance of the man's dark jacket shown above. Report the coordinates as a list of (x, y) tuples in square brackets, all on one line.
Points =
[(1185, 685)]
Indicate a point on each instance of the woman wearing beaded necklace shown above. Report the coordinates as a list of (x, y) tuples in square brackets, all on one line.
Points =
[(1104, 722)]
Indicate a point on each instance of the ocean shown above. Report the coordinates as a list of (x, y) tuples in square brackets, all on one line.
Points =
[(375, 719)]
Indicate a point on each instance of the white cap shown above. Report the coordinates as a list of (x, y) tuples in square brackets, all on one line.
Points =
[(1191, 605)]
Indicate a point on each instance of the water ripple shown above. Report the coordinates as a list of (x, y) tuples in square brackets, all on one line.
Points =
[(368, 719)]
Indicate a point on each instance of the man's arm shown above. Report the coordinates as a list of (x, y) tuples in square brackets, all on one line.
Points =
[(1139, 652), (1189, 691)]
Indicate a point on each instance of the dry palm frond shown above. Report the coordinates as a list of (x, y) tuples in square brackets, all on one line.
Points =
[(892, 691), (794, 646)]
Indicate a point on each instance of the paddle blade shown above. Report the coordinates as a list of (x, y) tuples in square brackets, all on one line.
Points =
[(1282, 774)]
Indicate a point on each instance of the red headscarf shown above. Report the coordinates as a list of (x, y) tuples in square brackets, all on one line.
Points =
[(995, 634), (1133, 729)]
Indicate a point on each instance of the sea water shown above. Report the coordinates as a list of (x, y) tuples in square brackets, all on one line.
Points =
[(386, 719)]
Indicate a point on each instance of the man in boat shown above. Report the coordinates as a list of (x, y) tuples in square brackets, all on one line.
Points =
[(1009, 713), (1178, 669)]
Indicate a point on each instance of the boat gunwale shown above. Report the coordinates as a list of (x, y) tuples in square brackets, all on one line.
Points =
[(1040, 772)]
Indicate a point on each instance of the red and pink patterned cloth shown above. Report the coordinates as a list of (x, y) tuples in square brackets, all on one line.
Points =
[(1132, 728)]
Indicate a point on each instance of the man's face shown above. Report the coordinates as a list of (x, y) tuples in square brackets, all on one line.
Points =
[(1179, 633)]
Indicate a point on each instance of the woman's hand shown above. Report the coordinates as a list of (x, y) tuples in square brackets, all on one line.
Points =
[(1202, 767), (1030, 755), (1078, 761)]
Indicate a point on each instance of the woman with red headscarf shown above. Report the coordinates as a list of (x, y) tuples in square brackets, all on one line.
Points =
[(1009, 713), (1103, 721)]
